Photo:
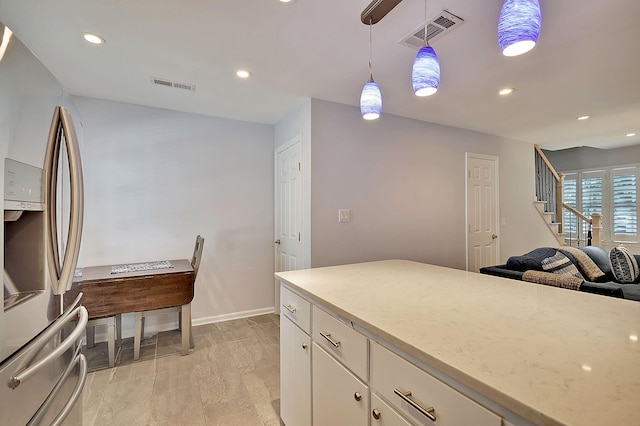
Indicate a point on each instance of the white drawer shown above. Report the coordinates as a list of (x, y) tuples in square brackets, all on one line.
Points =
[(295, 308), (390, 375), (383, 415), (340, 340)]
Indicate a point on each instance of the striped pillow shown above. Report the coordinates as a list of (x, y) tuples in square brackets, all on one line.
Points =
[(623, 265), (561, 265)]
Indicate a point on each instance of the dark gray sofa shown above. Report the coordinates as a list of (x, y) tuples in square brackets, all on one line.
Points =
[(517, 265)]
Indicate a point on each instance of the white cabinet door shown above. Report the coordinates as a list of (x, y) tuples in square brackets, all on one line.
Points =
[(339, 397), (295, 374)]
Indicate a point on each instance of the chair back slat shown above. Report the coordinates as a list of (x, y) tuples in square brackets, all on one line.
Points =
[(197, 255)]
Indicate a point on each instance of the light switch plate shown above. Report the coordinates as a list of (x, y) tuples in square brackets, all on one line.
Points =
[(344, 215)]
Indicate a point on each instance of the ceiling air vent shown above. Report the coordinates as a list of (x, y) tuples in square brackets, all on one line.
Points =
[(169, 83), (437, 26)]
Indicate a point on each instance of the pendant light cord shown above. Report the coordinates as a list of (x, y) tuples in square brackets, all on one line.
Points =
[(370, 49), (426, 42)]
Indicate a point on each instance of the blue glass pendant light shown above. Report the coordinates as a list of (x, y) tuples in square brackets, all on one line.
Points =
[(371, 98), (425, 74), (519, 26)]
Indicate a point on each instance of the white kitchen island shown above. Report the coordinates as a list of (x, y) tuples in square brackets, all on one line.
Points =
[(497, 350)]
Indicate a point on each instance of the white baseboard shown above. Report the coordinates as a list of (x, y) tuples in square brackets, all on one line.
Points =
[(151, 329), (232, 316)]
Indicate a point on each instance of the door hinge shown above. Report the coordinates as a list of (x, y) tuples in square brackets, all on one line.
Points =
[(299, 166), (298, 236)]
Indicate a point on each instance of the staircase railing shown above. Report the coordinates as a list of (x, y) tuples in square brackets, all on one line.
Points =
[(549, 188), (587, 229)]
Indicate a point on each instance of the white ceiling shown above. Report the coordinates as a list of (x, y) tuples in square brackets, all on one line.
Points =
[(587, 61)]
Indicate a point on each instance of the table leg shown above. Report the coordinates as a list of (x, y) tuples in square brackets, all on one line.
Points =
[(186, 328)]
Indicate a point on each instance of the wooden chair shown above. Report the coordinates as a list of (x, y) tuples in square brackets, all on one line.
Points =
[(114, 334), (183, 311)]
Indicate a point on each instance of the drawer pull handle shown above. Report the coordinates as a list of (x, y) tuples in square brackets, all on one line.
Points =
[(406, 397), (305, 346), (289, 308), (330, 340), (376, 414), (357, 396)]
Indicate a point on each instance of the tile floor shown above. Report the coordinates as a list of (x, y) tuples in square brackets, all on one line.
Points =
[(230, 378)]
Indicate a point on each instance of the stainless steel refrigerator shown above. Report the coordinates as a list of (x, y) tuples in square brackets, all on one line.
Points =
[(42, 371)]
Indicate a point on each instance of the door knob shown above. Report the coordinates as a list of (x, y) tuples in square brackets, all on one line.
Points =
[(493, 237), (278, 242)]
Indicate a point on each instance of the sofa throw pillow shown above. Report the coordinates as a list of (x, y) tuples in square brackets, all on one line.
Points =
[(588, 266), (555, 280), (600, 257), (561, 265), (623, 265)]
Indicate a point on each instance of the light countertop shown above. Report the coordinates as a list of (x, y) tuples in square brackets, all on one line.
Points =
[(551, 355)]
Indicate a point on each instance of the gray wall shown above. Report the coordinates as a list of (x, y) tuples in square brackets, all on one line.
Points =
[(154, 179), (404, 181), (589, 158)]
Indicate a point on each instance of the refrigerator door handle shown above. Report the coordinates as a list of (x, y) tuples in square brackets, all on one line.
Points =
[(72, 306), (42, 341), (75, 395), (25, 373), (51, 187), (62, 125), (77, 392)]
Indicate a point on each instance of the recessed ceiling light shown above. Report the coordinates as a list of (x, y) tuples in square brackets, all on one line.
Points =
[(630, 135), (633, 337), (93, 38), (286, 1), (506, 91), (243, 73), (586, 367), (584, 117)]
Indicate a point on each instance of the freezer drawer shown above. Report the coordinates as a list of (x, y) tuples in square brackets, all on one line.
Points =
[(41, 372)]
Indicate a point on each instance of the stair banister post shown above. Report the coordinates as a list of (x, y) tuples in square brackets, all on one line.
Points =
[(597, 228), (560, 201)]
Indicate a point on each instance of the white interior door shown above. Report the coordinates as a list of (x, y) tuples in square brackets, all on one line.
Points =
[(482, 211), (288, 208)]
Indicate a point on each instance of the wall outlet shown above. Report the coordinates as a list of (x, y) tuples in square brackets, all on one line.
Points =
[(344, 215)]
